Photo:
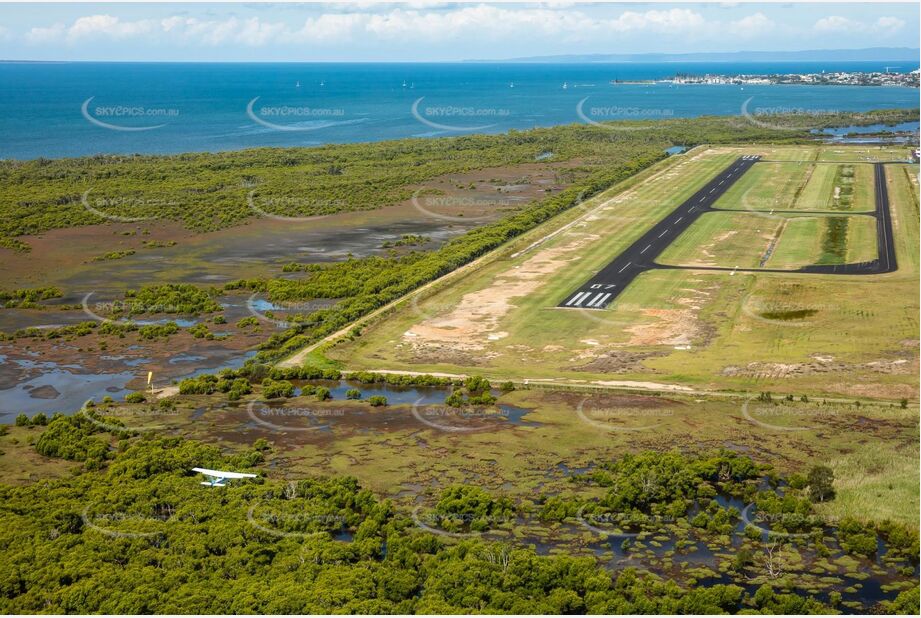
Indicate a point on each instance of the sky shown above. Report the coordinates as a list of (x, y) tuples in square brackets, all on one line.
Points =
[(437, 31)]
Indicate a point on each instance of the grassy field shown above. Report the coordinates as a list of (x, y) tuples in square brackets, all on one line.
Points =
[(803, 239), (767, 186), (867, 153), (702, 330), (748, 241), (803, 185), (724, 239), (820, 190), (774, 236), (799, 244)]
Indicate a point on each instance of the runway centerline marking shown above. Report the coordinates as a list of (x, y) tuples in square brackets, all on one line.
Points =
[(618, 274)]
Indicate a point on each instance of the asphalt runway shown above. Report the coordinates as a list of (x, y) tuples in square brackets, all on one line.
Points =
[(885, 244), (601, 290), (885, 261)]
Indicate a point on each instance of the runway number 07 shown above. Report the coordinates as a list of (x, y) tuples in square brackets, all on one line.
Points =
[(606, 286)]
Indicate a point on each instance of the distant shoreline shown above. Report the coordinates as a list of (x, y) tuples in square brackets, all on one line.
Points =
[(869, 54), (219, 107)]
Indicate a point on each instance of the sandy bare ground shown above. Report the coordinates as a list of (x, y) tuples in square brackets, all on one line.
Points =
[(475, 319), (299, 357), (435, 374), (166, 391), (757, 369), (672, 327), (869, 392), (655, 386), (675, 327), (615, 384)]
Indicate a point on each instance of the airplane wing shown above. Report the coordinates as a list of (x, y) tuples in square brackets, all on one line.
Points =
[(224, 475)]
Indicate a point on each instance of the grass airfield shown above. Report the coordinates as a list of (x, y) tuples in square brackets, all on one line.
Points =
[(802, 185), (677, 329), (755, 240)]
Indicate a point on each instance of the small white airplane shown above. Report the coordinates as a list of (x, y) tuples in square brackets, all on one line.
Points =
[(217, 477)]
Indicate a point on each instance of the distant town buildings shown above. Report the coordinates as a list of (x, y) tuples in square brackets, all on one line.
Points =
[(838, 78)]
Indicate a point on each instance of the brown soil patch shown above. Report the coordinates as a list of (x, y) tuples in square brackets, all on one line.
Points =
[(619, 361), (492, 190), (821, 365), (44, 392), (673, 327), (876, 390), (475, 319), (572, 400), (676, 327), (430, 354)]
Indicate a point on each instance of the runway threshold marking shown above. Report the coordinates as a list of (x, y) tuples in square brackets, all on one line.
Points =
[(642, 253), (597, 302)]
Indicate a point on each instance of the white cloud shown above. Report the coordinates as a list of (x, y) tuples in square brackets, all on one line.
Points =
[(438, 23), (394, 23), (255, 33), (329, 27), (836, 23), (752, 25), (890, 24), (48, 34), (91, 26), (108, 26), (671, 21)]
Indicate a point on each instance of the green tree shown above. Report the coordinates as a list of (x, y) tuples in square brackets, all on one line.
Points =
[(821, 483), (322, 393), (273, 389)]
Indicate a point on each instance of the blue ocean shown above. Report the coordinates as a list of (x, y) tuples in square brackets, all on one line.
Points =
[(75, 109)]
